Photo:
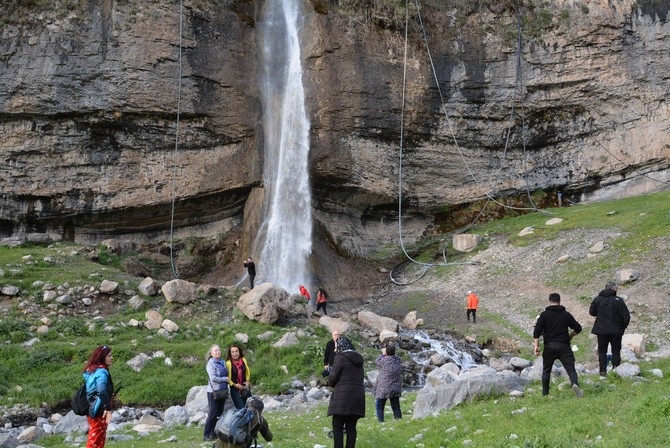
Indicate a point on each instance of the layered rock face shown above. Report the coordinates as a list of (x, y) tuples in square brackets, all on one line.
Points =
[(104, 135)]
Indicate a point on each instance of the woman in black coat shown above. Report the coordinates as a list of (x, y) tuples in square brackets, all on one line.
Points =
[(347, 403)]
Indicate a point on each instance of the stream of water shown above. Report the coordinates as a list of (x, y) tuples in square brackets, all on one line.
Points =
[(286, 232)]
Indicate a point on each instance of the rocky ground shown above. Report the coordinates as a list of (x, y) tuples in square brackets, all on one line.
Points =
[(513, 284)]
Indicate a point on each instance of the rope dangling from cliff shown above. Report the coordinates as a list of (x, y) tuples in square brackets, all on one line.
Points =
[(176, 142), (424, 265)]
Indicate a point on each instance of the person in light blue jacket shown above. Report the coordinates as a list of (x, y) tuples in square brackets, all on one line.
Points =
[(217, 375), (99, 390)]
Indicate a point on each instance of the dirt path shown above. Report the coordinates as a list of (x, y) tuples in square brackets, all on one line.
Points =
[(513, 284)]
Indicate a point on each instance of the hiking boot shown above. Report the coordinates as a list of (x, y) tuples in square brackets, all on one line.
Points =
[(578, 392)]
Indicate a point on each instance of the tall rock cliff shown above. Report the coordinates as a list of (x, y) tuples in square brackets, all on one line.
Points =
[(113, 126)]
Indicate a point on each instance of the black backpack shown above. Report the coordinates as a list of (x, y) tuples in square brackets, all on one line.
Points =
[(80, 403)]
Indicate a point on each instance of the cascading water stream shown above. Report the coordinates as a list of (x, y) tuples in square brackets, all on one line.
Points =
[(286, 233), (448, 349)]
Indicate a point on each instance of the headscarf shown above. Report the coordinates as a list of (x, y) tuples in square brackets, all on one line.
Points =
[(343, 344)]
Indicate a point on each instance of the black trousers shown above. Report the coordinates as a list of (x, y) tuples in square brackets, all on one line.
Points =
[(215, 411), (553, 351), (603, 341), (474, 314), (340, 424), (322, 305)]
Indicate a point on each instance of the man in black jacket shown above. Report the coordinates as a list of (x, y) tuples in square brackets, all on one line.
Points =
[(554, 323), (329, 353), (612, 319), (251, 270)]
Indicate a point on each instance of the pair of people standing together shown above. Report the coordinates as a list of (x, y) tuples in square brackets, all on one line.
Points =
[(344, 368), (231, 375), (612, 319)]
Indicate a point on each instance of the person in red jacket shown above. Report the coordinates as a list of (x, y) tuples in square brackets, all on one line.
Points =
[(473, 303), (304, 292)]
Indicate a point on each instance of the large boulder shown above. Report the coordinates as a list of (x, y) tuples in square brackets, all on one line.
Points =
[(442, 393), (265, 303), (179, 291), (334, 323), (377, 322)]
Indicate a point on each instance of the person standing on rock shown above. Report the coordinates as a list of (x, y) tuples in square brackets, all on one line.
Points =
[(389, 383), (304, 292), (347, 402), (612, 319), (251, 270), (554, 323), (100, 392), (321, 300), (473, 303)]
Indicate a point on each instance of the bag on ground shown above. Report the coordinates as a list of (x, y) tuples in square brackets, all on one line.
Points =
[(235, 426), (80, 403)]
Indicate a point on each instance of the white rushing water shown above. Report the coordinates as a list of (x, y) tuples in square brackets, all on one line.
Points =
[(446, 348), (286, 232)]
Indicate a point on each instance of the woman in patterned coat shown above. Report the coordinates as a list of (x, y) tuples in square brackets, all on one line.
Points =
[(389, 382)]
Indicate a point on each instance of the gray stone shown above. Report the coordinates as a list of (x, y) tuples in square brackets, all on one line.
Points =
[(179, 291), (265, 303), (287, 340), (148, 287)]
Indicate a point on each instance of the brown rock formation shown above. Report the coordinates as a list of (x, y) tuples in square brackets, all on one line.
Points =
[(88, 115)]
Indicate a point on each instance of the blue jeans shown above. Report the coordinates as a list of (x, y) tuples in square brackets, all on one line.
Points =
[(238, 401), (380, 403)]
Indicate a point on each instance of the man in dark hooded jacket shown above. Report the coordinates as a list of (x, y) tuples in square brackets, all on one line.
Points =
[(612, 319), (554, 323), (347, 403)]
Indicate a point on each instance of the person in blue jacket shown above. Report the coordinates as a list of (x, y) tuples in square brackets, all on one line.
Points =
[(99, 390), (217, 376)]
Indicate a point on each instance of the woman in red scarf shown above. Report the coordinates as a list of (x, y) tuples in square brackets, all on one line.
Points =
[(238, 376), (99, 390)]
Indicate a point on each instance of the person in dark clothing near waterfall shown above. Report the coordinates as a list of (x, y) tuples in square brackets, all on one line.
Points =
[(347, 402), (612, 319), (251, 270), (554, 323)]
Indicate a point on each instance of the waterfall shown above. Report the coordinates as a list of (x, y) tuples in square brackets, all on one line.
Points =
[(287, 225)]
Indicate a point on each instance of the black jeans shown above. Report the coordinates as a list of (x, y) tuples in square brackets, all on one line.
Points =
[(474, 314), (322, 305), (553, 351), (251, 281), (342, 423), (603, 341), (215, 411)]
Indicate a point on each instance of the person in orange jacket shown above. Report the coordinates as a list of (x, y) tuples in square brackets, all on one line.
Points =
[(473, 302)]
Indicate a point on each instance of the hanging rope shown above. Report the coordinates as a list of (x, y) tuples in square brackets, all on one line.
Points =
[(176, 143), (489, 197)]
